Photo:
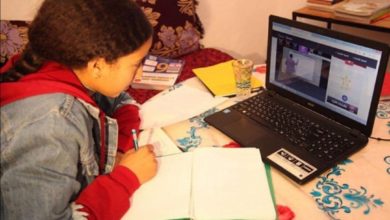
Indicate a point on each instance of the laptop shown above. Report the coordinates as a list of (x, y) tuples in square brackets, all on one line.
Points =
[(319, 105)]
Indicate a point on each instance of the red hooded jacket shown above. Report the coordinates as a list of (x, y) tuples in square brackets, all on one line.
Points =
[(107, 197)]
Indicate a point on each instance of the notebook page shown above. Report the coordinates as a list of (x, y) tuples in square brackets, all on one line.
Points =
[(230, 183), (167, 195)]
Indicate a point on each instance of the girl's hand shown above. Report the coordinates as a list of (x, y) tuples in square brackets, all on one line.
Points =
[(142, 162)]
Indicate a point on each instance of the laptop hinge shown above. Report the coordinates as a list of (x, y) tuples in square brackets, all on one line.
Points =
[(271, 93)]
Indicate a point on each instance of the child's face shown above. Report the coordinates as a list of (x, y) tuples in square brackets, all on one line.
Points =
[(120, 74), (110, 79)]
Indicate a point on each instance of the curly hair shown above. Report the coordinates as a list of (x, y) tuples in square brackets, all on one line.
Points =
[(73, 32)]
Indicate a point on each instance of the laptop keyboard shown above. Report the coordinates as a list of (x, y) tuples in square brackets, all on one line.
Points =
[(298, 129)]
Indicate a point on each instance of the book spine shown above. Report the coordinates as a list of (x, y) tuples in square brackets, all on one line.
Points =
[(382, 14), (324, 2)]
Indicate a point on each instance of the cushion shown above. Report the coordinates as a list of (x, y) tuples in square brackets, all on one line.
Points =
[(177, 28), (13, 38)]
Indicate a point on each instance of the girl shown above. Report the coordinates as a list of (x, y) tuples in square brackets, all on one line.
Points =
[(64, 114)]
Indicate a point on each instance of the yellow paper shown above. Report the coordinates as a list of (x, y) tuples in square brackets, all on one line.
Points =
[(219, 79)]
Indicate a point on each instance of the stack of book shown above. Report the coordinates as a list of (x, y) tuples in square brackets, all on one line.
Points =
[(157, 73), (323, 5), (363, 11)]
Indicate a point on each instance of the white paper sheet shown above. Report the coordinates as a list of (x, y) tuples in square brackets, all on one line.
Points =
[(167, 195), (163, 144), (230, 184), (180, 104)]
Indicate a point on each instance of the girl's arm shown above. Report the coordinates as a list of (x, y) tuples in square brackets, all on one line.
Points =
[(126, 111), (108, 195)]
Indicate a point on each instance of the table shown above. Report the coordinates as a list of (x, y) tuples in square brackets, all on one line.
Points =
[(357, 188), (329, 18)]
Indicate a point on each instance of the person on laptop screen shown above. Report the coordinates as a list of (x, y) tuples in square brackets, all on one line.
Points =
[(290, 64)]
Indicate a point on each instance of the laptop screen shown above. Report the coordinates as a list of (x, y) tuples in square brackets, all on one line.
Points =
[(329, 71)]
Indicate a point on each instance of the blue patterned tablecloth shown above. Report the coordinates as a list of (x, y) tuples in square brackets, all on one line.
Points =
[(357, 188)]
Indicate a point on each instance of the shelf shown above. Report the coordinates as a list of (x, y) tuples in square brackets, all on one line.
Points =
[(329, 18)]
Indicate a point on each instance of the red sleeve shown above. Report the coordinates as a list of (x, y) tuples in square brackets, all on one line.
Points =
[(128, 118), (108, 196), (9, 63)]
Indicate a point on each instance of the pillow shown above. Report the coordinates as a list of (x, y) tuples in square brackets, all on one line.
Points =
[(177, 28), (13, 38)]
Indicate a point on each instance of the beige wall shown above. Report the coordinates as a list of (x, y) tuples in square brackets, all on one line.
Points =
[(238, 27), (18, 9)]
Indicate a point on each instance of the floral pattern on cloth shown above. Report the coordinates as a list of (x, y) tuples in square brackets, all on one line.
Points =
[(177, 27), (383, 112), (387, 161), (338, 197), (193, 140), (333, 197), (13, 38)]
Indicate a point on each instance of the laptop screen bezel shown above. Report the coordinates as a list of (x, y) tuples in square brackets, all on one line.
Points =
[(384, 48)]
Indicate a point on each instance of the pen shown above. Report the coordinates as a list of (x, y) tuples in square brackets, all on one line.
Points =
[(135, 139)]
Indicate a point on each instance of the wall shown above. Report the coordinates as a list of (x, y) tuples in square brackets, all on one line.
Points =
[(18, 9), (240, 27)]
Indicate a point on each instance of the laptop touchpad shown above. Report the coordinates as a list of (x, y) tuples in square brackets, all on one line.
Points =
[(245, 131)]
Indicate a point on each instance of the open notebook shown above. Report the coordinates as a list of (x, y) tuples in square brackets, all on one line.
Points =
[(208, 183)]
